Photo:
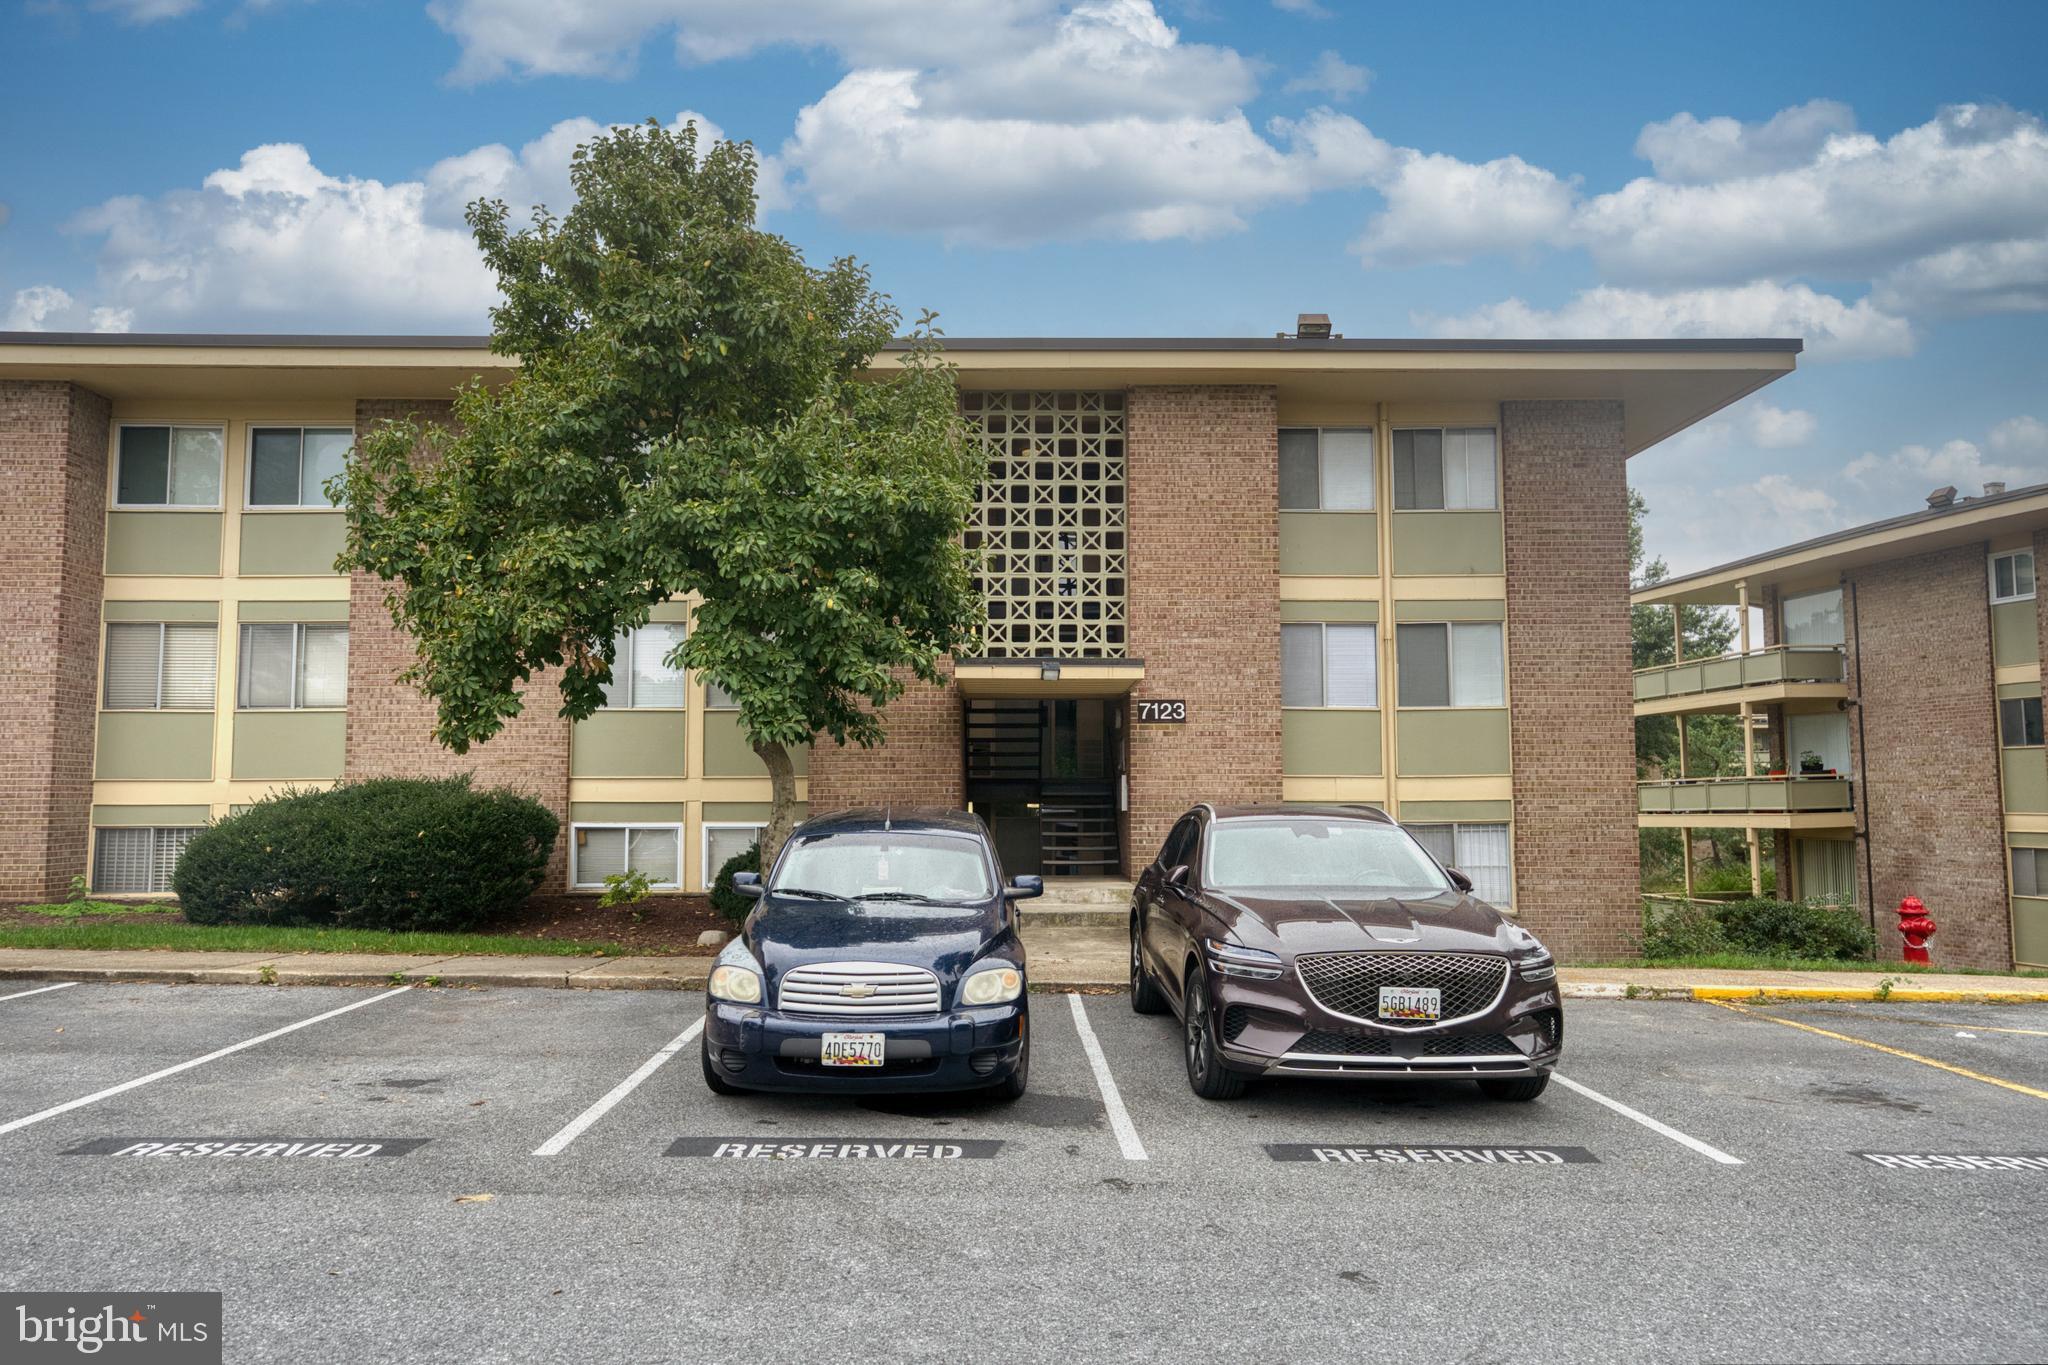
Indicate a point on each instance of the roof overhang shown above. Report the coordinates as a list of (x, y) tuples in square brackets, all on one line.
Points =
[(990, 679)]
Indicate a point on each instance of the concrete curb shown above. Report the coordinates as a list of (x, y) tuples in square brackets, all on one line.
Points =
[(1900, 994)]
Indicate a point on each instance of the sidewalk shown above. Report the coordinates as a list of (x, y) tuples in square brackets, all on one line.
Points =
[(1062, 958)]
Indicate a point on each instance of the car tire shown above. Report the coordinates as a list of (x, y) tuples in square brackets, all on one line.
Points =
[(1146, 997), (1012, 1086), (1207, 1075), (713, 1079), (1519, 1089)]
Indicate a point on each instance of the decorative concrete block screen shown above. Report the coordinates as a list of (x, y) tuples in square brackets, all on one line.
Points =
[(1049, 522)]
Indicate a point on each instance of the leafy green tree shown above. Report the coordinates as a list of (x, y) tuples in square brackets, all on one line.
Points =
[(694, 413)]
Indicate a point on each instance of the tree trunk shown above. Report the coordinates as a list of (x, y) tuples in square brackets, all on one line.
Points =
[(782, 811)]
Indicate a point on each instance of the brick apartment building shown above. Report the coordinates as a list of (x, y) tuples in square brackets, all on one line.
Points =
[(1302, 568), (1896, 703)]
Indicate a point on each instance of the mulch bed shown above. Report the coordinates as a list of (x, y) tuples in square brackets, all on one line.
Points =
[(659, 925)]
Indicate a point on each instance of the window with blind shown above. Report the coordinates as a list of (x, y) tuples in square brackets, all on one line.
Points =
[(1445, 469), (613, 850), (2030, 872), (723, 843), (293, 667), (1450, 663), (1480, 851), (168, 467), (160, 666), (640, 677), (290, 466), (137, 862), (1329, 664), (1325, 470)]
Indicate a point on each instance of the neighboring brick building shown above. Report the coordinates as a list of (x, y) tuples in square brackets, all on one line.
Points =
[(1902, 661), (1292, 569)]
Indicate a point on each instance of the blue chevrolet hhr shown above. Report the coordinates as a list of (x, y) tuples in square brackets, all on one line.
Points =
[(883, 956)]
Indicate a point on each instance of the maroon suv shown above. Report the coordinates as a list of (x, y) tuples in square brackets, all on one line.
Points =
[(1325, 941)]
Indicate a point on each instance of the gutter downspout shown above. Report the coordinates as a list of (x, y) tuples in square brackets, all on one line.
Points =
[(1863, 753)]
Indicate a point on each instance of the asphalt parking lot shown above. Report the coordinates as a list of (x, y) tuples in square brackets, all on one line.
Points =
[(1699, 1192)]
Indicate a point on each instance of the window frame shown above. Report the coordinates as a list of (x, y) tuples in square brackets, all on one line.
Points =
[(2040, 727), (1372, 469), (710, 873), (577, 827), (1841, 597), (299, 629), (630, 680), (2035, 855), (1443, 430), (1457, 827), (249, 503), (1451, 670), (1991, 571), (1323, 657), (155, 836), (114, 503), (162, 649)]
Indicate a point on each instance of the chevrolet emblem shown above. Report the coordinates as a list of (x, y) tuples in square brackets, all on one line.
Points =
[(859, 990)]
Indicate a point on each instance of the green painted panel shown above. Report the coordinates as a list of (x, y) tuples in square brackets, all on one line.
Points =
[(2026, 781), (2015, 634), (735, 812), (162, 611), (276, 543), (727, 753), (2005, 690), (627, 743), (114, 817), (1420, 811), (676, 612), (1455, 742), (163, 543), (626, 812), (1447, 543), (284, 746), (2030, 931), (293, 611), (1329, 543), (1329, 611), (1329, 743), (2018, 840), (1450, 611), (167, 745)]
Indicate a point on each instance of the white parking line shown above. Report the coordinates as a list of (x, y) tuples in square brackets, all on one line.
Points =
[(555, 1145), (1112, 1102), (1715, 1153), (125, 1086), (38, 990)]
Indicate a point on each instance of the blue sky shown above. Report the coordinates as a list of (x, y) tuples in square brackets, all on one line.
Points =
[(1872, 177)]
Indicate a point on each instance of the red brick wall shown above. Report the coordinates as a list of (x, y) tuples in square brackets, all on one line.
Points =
[(53, 464), (1928, 779), (921, 761), (1203, 478), (1572, 732), (390, 726)]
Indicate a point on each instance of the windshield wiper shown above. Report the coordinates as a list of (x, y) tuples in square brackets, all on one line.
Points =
[(806, 893), (901, 896)]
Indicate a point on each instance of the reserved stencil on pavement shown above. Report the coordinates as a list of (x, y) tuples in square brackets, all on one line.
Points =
[(245, 1149), (833, 1149), (1957, 1161), (1409, 1154)]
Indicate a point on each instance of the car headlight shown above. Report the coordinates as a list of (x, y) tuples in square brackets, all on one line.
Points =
[(740, 985), (1234, 959), (991, 986), (1542, 967)]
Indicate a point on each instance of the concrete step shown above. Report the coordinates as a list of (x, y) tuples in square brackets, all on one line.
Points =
[(1084, 891), (1067, 914)]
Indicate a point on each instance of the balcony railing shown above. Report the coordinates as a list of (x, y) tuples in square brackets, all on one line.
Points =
[(1728, 672), (1745, 796)]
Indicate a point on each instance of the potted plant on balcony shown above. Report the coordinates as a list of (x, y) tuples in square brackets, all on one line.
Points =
[(1811, 764)]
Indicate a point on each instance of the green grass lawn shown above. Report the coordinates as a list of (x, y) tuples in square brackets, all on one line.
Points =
[(1754, 962), (83, 933), (78, 909)]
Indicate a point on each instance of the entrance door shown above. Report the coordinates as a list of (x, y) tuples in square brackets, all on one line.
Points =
[(1043, 773)]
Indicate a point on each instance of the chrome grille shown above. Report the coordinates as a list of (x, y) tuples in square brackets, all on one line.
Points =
[(1349, 983), (859, 989)]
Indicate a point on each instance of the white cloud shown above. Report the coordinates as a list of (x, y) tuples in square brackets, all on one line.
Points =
[(1981, 277), (1333, 76), (145, 11), (1776, 428), (1309, 9), (2021, 438), (1833, 330), (1910, 471), (538, 173), (1441, 209), (1800, 510), (1696, 151), (46, 308)]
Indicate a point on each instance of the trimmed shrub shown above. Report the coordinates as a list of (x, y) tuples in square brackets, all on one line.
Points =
[(1688, 929), (388, 853), (724, 899), (1818, 930)]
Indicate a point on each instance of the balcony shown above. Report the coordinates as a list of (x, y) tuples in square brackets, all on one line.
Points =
[(1748, 803), (1799, 677)]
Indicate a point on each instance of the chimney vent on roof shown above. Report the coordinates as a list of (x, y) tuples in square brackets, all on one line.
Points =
[(1312, 327), (1942, 497), (1994, 490)]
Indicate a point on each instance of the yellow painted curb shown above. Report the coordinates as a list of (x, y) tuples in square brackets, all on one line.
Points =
[(1905, 994)]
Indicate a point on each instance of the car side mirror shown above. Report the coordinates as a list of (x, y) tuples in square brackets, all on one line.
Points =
[(1024, 888), (1458, 879), (1177, 876), (748, 884)]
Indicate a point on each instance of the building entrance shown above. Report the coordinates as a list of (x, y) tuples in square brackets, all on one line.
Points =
[(1046, 775)]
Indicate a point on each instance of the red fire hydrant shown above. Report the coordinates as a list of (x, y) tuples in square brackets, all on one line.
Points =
[(1915, 928)]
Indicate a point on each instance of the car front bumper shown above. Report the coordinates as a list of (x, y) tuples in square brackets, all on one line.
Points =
[(757, 1048), (1284, 1032)]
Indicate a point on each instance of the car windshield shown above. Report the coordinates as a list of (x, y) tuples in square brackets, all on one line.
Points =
[(885, 864), (1334, 857)]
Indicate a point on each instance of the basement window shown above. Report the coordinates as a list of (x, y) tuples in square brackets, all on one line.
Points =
[(137, 862), (601, 851), (1480, 851)]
